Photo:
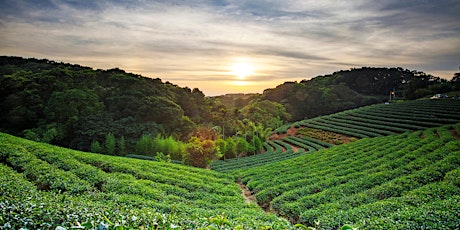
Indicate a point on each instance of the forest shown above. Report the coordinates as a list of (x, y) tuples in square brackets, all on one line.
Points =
[(118, 113)]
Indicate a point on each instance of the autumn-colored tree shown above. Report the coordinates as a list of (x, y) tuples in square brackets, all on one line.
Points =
[(201, 152), (202, 148)]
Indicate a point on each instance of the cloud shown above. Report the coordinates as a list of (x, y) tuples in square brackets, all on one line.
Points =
[(195, 41)]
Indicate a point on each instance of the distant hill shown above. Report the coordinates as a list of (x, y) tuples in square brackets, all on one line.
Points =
[(75, 106), (71, 105), (354, 88), (236, 100)]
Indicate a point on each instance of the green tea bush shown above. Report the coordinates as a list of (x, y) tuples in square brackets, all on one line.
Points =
[(373, 183), (47, 187)]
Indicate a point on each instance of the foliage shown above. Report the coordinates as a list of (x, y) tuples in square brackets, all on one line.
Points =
[(201, 152), (144, 146), (388, 119), (230, 148), (347, 89), (267, 113), (48, 187), (96, 147), (110, 144), (72, 106), (122, 146), (153, 146), (405, 181)]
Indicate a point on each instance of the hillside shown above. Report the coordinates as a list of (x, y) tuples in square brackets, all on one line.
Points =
[(310, 135), (385, 119), (408, 179), (44, 186), (347, 89), (72, 105), (111, 111), (75, 106), (405, 181)]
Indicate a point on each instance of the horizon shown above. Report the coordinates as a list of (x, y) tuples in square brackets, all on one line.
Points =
[(230, 47)]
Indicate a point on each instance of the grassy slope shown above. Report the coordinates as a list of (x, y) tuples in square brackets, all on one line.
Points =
[(406, 181), (44, 186)]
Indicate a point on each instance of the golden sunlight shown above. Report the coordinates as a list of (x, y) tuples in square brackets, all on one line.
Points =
[(241, 83), (242, 70)]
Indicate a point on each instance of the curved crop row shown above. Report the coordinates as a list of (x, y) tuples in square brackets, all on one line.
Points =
[(43, 187), (384, 119), (317, 124), (257, 160), (301, 144), (368, 183), (286, 147), (308, 142), (362, 128), (383, 129)]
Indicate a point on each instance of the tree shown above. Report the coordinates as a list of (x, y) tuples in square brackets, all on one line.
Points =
[(110, 144), (144, 146), (242, 146), (65, 108), (456, 81), (96, 147), (202, 148), (201, 152), (266, 113), (170, 146), (230, 150), (221, 147), (257, 143), (122, 146)]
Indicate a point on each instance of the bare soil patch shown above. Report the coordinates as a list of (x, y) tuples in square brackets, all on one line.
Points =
[(422, 136), (294, 148), (290, 132), (322, 135), (247, 195), (455, 134)]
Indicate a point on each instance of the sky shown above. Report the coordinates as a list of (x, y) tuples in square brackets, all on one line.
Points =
[(236, 46)]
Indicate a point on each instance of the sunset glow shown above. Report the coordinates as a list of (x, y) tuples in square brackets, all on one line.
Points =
[(241, 70), (194, 44)]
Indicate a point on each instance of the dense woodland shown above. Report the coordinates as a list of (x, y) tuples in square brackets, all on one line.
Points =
[(353, 88), (119, 113)]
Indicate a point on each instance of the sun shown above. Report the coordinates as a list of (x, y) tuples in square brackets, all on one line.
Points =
[(242, 70)]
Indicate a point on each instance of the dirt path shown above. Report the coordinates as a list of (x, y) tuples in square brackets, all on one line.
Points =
[(455, 133), (248, 197)]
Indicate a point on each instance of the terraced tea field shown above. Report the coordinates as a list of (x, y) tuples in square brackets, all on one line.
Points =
[(405, 181), (388, 119), (44, 186), (365, 122), (402, 171), (275, 151)]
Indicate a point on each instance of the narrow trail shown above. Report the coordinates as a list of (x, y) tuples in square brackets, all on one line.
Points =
[(248, 196), (251, 199)]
